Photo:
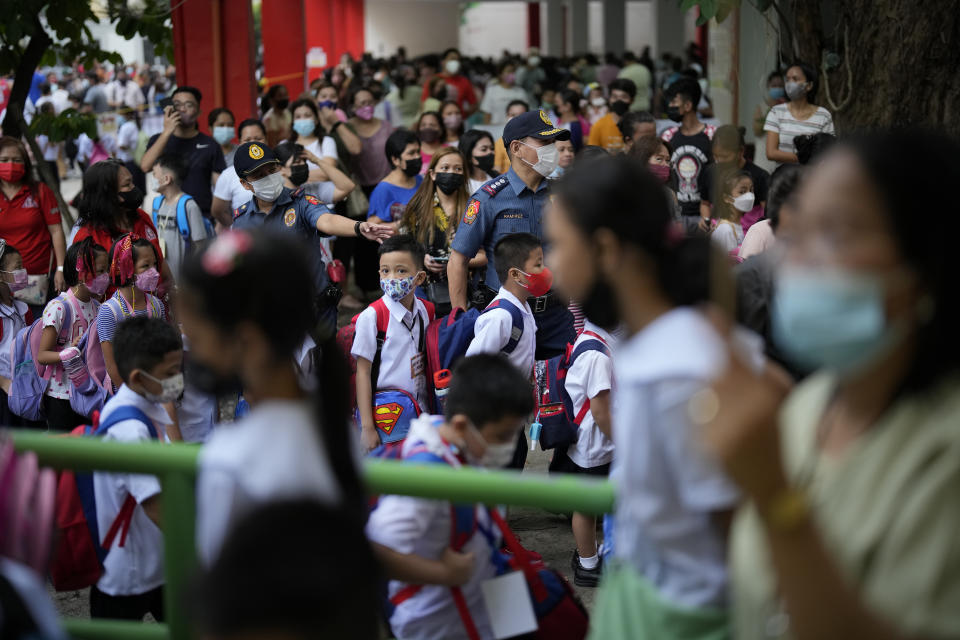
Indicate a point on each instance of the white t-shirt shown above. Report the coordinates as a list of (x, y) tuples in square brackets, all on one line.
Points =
[(136, 567), (273, 453), (325, 147), (12, 318), (50, 149), (474, 185), (419, 526), (780, 120), (590, 375), (228, 188), (402, 360), (53, 316), (758, 239), (169, 232), (497, 98), (727, 235), (666, 485), (494, 329), (127, 137)]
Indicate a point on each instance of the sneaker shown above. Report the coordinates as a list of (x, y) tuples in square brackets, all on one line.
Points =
[(583, 577)]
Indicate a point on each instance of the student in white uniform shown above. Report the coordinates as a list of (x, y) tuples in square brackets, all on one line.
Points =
[(588, 383), (149, 356), (519, 260), (486, 406), (612, 250), (403, 360), (247, 303), (14, 316)]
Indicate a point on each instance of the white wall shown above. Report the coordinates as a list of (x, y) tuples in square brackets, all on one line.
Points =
[(490, 27), (423, 26), (106, 33)]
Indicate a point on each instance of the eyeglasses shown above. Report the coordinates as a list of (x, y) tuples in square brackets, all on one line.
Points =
[(184, 105)]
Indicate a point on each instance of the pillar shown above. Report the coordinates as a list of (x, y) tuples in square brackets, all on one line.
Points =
[(213, 51), (555, 28), (579, 23), (283, 34), (669, 27), (615, 26), (533, 24)]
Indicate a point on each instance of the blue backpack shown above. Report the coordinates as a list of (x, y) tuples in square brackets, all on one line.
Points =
[(555, 412), (448, 338), (183, 223)]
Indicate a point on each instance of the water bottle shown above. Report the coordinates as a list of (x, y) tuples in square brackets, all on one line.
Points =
[(535, 428), (441, 384)]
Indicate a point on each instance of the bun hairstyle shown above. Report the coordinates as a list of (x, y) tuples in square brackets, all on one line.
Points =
[(622, 195), (218, 281)]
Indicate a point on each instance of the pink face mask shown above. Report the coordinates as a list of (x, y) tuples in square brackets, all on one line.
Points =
[(661, 171), (364, 113), (148, 280), (98, 286)]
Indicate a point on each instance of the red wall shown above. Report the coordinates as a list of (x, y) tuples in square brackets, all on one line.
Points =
[(337, 27), (213, 51)]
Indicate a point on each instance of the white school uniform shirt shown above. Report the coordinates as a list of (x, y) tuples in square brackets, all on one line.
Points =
[(666, 485), (402, 361), (136, 567), (272, 453), (494, 328), (590, 375), (420, 526), (13, 319)]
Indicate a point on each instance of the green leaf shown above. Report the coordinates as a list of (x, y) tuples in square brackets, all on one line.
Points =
[(725, 8), (686, 5)]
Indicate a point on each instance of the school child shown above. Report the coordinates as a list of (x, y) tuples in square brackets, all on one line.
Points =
[(14, 315), (133, 270), (175, 212), (86, 273), (588, 383), (285, 572), (148, 356), (292, 444), (519, 261), (486, 406), (402, 363), (737, 199)]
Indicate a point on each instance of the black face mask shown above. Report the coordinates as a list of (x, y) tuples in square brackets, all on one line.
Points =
[(132, 199), (600, 306), (413, 167), (485, 162), (674, 114), (208, 381), (429, 135), (299, 174), (282, 104), (619, 107), (448, 182)]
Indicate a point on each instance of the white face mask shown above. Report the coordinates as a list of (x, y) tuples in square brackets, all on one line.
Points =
[(547, 159), (498, 456), (598, 102), (152, 183), (744, 202), (269, 187), (452, 67), (172, 388)]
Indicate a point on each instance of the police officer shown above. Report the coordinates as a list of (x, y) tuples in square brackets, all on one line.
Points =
[(276, 207), (513, 203)]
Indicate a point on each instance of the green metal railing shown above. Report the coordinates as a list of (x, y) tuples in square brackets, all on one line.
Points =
[(176, 466)]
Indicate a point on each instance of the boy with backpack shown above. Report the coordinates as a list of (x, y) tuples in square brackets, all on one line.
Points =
[(148, 354), (485, 408), (389, 346), (176, 215)]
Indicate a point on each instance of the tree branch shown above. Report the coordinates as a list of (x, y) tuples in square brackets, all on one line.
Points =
[(23, 78)]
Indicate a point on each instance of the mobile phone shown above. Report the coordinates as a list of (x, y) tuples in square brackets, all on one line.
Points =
[(165, 102), (440, 258)]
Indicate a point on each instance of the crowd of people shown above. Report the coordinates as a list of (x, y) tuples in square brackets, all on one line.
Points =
[(565, 254)]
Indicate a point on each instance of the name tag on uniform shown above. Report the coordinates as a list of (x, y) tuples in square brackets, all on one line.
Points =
[(417, 365), (508, 604)]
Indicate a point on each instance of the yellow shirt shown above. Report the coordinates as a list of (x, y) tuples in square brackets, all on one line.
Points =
[(501, 161), (606, 134), (886, 510)]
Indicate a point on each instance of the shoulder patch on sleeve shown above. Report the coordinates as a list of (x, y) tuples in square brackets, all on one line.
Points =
[(470, 215), (311, 199), (495, 187)]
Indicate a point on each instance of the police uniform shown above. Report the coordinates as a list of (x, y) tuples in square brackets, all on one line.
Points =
[(506, 205), (293, 210)]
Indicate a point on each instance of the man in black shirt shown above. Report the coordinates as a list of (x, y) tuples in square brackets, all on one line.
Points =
[(728, 145), (692, 149), (201, 154)]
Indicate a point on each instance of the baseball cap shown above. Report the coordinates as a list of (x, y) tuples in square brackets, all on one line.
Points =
[(250, 156), (532, 124)]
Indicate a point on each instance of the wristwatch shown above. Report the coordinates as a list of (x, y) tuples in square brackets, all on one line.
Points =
[(60, 269), (356, 229)]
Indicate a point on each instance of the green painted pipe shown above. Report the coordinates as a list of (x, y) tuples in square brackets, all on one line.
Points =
[(88, 454), (114, 630)]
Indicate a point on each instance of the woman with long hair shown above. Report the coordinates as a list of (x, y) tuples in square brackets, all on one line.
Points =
[(478, 150)]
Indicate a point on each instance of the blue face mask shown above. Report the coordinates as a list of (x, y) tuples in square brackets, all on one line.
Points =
[(831, 319), (777, 93), (304, 126), (223, 135)]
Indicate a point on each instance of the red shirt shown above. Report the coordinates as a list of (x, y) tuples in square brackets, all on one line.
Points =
[(23, 224), (143, 228), (466, 97)]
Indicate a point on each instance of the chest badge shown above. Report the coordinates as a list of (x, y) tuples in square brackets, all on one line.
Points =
[(290, 217)]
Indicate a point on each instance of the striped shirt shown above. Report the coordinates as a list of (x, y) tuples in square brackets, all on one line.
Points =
[(781, 121)]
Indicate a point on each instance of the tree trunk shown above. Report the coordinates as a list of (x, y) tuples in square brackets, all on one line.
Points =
[(23, 79), (903, 59), (45, 172)]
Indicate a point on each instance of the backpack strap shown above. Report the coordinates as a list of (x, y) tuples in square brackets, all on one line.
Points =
[(122, 414), (596, 343), (430, 307), (157, 203), (183, 223), (383, 321), (515, 315)]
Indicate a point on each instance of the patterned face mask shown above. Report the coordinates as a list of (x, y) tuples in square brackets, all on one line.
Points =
[(397, 288)]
